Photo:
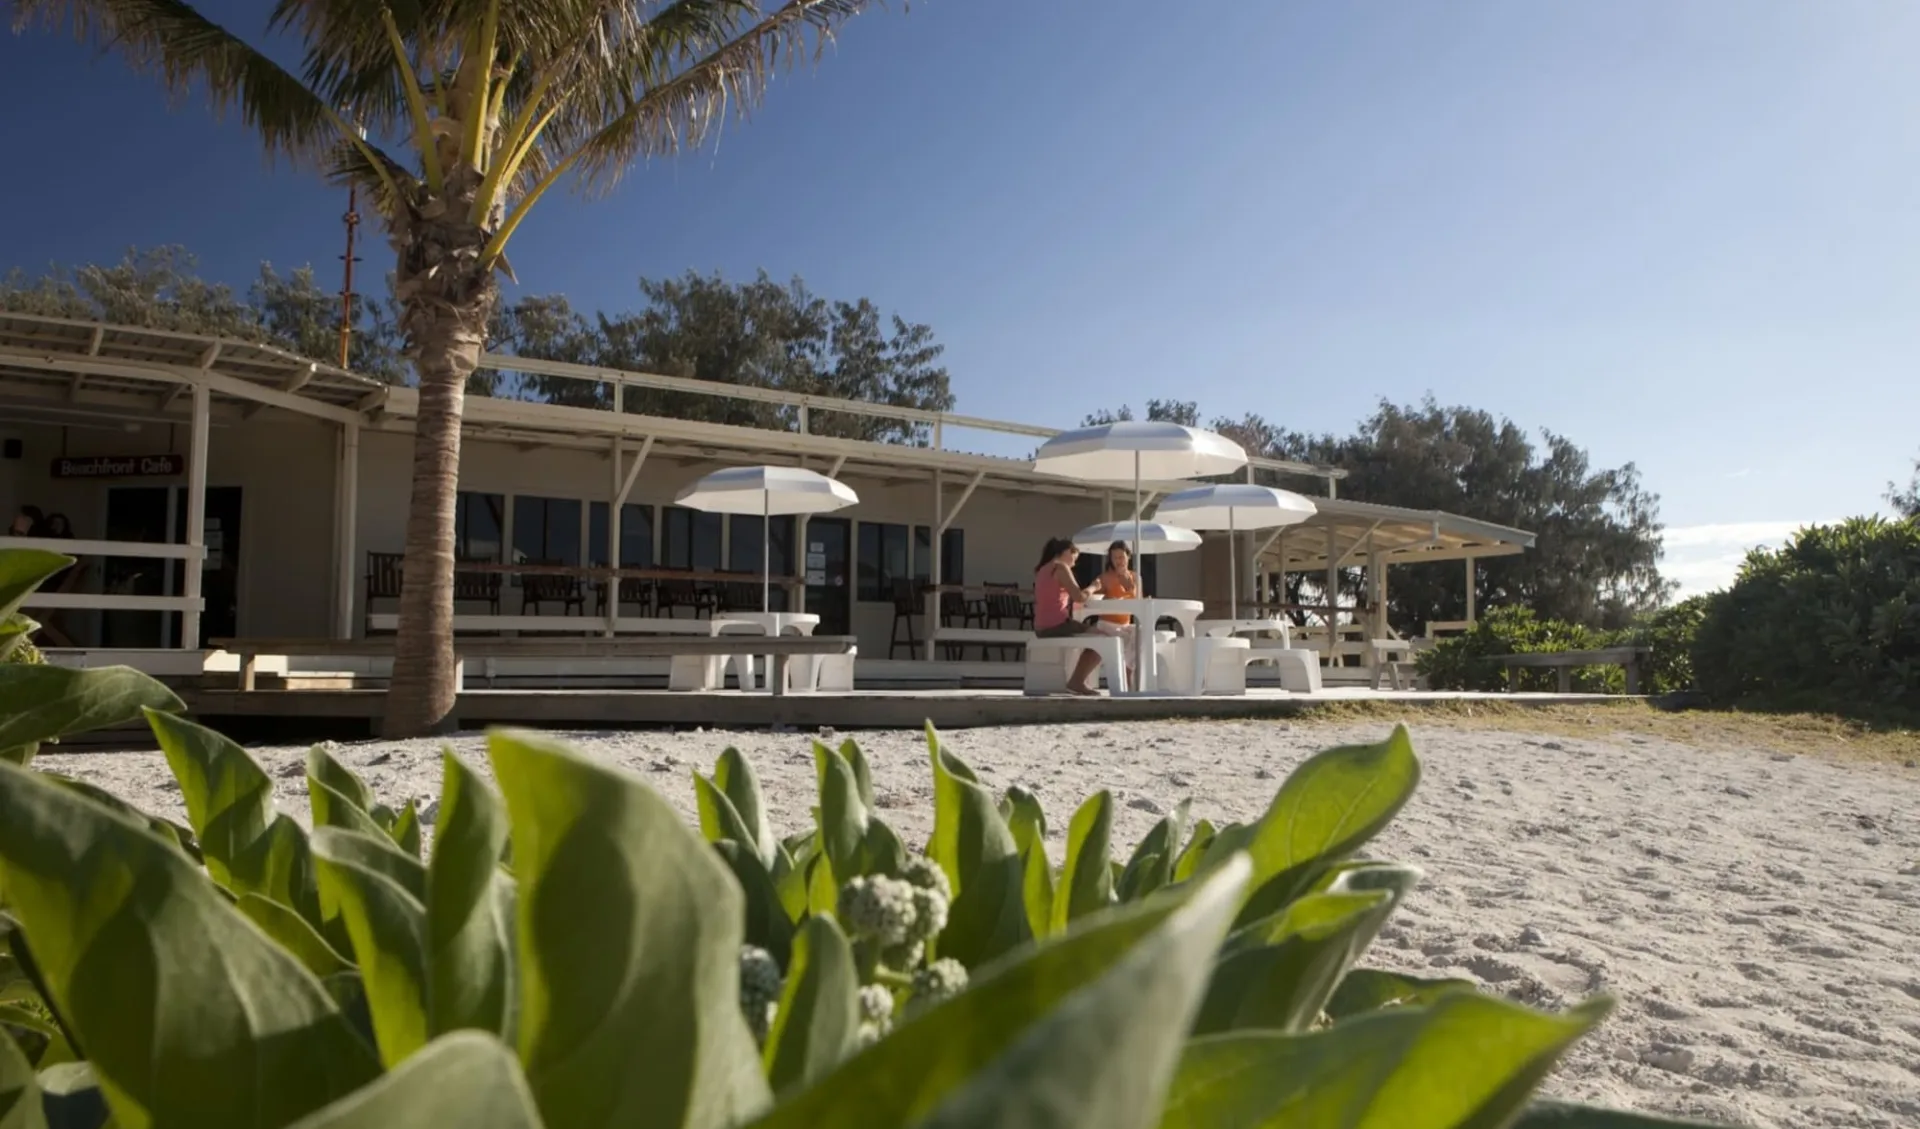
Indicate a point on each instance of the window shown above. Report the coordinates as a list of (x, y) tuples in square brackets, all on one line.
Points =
[(477, 522), (884, 558), (546, 530), (689, 539), (636, 535), (953, 555), (743, 551)]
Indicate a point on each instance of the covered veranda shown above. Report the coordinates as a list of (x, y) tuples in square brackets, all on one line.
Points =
[(337, 434)]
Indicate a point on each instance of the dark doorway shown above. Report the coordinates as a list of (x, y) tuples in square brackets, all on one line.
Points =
[(828, 539), (147, 513)]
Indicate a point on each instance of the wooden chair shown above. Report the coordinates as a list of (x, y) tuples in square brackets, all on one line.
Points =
[(1006, 610), (907, 610), (383, 581), (546, 588), (671, 594), (956, 610), (632, 590), (476, 587), (735, 596)]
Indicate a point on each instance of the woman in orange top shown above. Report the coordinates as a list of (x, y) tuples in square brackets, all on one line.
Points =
[(1119, 582)]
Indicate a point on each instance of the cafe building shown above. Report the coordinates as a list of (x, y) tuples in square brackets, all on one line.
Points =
[(216, 489)]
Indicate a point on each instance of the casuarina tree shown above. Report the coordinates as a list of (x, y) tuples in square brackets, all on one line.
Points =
[(459, 116)]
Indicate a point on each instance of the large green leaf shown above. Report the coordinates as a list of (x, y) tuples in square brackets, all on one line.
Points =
[(974, 846), (720, 821), (19, 1089), (843, 815), (1151, 864), (189, 1015), (790, 881), (1325, 810), (766, 923), (1036, 888), (468, 1080), (406, 829), (388, 924), (1370, 989), (333, 808), (629, 942), (1560, 1115), (1086, 879), (1281, 980), (1079, 1031), (734, 776), (229, 799), (470, 973), (24, 570), (40, 703), (324, 768), (882, 852), (1464, 1062), (1188, 863), (1027, 820), (819, 1009), (293, 934), (165, 828), (862, 772)]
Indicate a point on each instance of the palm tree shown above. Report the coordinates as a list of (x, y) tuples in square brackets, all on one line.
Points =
[(491, 105)]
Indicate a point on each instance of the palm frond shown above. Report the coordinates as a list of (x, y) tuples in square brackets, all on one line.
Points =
[(170, 39), (697, 80), (375, 173)]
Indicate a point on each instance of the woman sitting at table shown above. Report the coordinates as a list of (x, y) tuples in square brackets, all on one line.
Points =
[(1119, 582), (1055, 596)]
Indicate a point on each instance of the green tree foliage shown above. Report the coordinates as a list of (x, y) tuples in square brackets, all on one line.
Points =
[(161, 288), (1829, 621), (1596, 560), (760, 333), (1472, 661), (1907, 501)]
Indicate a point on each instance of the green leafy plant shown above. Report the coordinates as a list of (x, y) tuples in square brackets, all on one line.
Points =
[(1829, 622), (1471, 661), (572, 954)]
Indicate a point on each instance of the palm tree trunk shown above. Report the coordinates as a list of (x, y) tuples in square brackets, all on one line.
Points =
[(446, 301)]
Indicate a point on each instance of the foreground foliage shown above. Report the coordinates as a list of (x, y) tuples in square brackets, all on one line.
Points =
[(572, 955)]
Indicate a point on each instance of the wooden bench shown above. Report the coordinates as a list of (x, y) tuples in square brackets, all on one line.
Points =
[(1563, 664), (694, 657)]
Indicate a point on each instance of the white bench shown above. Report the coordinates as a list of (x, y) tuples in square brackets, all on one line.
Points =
[(1206, 664), (1051, 660), (1299, 668)]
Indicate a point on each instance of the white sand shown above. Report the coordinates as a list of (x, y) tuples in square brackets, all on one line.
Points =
[(1755, 914)]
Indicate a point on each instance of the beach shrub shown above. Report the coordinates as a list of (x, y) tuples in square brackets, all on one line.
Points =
[(571, 954), (1471, 661), (1828, 622), (1668, 634)]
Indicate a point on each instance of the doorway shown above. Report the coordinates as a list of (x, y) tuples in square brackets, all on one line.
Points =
[(828, 542), (158, 514)]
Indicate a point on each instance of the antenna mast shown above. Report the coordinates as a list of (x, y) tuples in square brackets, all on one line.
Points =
[(352, 219)]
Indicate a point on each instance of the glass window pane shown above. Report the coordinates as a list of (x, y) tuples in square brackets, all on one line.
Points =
[(597, 534), (953, 556), (477, 521), (923, 554), (743, 544), (869, 561), (636, 536)]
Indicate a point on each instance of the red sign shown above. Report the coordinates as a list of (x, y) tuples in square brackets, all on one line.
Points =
[(121, 466)]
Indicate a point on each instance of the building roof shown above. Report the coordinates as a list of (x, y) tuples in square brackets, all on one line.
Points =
[(54, 369)]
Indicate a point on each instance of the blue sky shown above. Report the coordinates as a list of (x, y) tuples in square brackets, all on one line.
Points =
[(1685, 233)]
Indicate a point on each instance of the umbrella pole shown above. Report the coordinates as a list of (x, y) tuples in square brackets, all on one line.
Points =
[(1143, 671), (1233, 568)]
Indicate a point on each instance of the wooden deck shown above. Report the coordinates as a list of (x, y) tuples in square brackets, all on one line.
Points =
[(864, 709)]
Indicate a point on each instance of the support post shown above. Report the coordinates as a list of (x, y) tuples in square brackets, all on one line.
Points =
[(196, 517), (930, 599), (1472, 587), (346, 531), (622, 486), (1332, 595)]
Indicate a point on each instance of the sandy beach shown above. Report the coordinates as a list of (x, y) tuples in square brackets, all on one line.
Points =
[(1756, 913)]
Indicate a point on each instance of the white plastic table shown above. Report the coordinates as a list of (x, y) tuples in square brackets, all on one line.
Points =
[(1146, 613), (762, 623)]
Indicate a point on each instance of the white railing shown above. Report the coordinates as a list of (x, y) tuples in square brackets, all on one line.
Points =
[(100, 601), (804, 403)]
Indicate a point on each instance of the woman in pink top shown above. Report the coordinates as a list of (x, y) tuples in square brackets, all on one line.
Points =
[(1055, 593)]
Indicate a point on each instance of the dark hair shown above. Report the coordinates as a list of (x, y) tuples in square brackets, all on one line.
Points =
[(59, 526), (1055, 546), (1123, 547), (33, 514)]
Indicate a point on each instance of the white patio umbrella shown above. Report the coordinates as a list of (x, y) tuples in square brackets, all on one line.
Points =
[(1234, 506), (1149, 537), (766, 490), (1136, 450)]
